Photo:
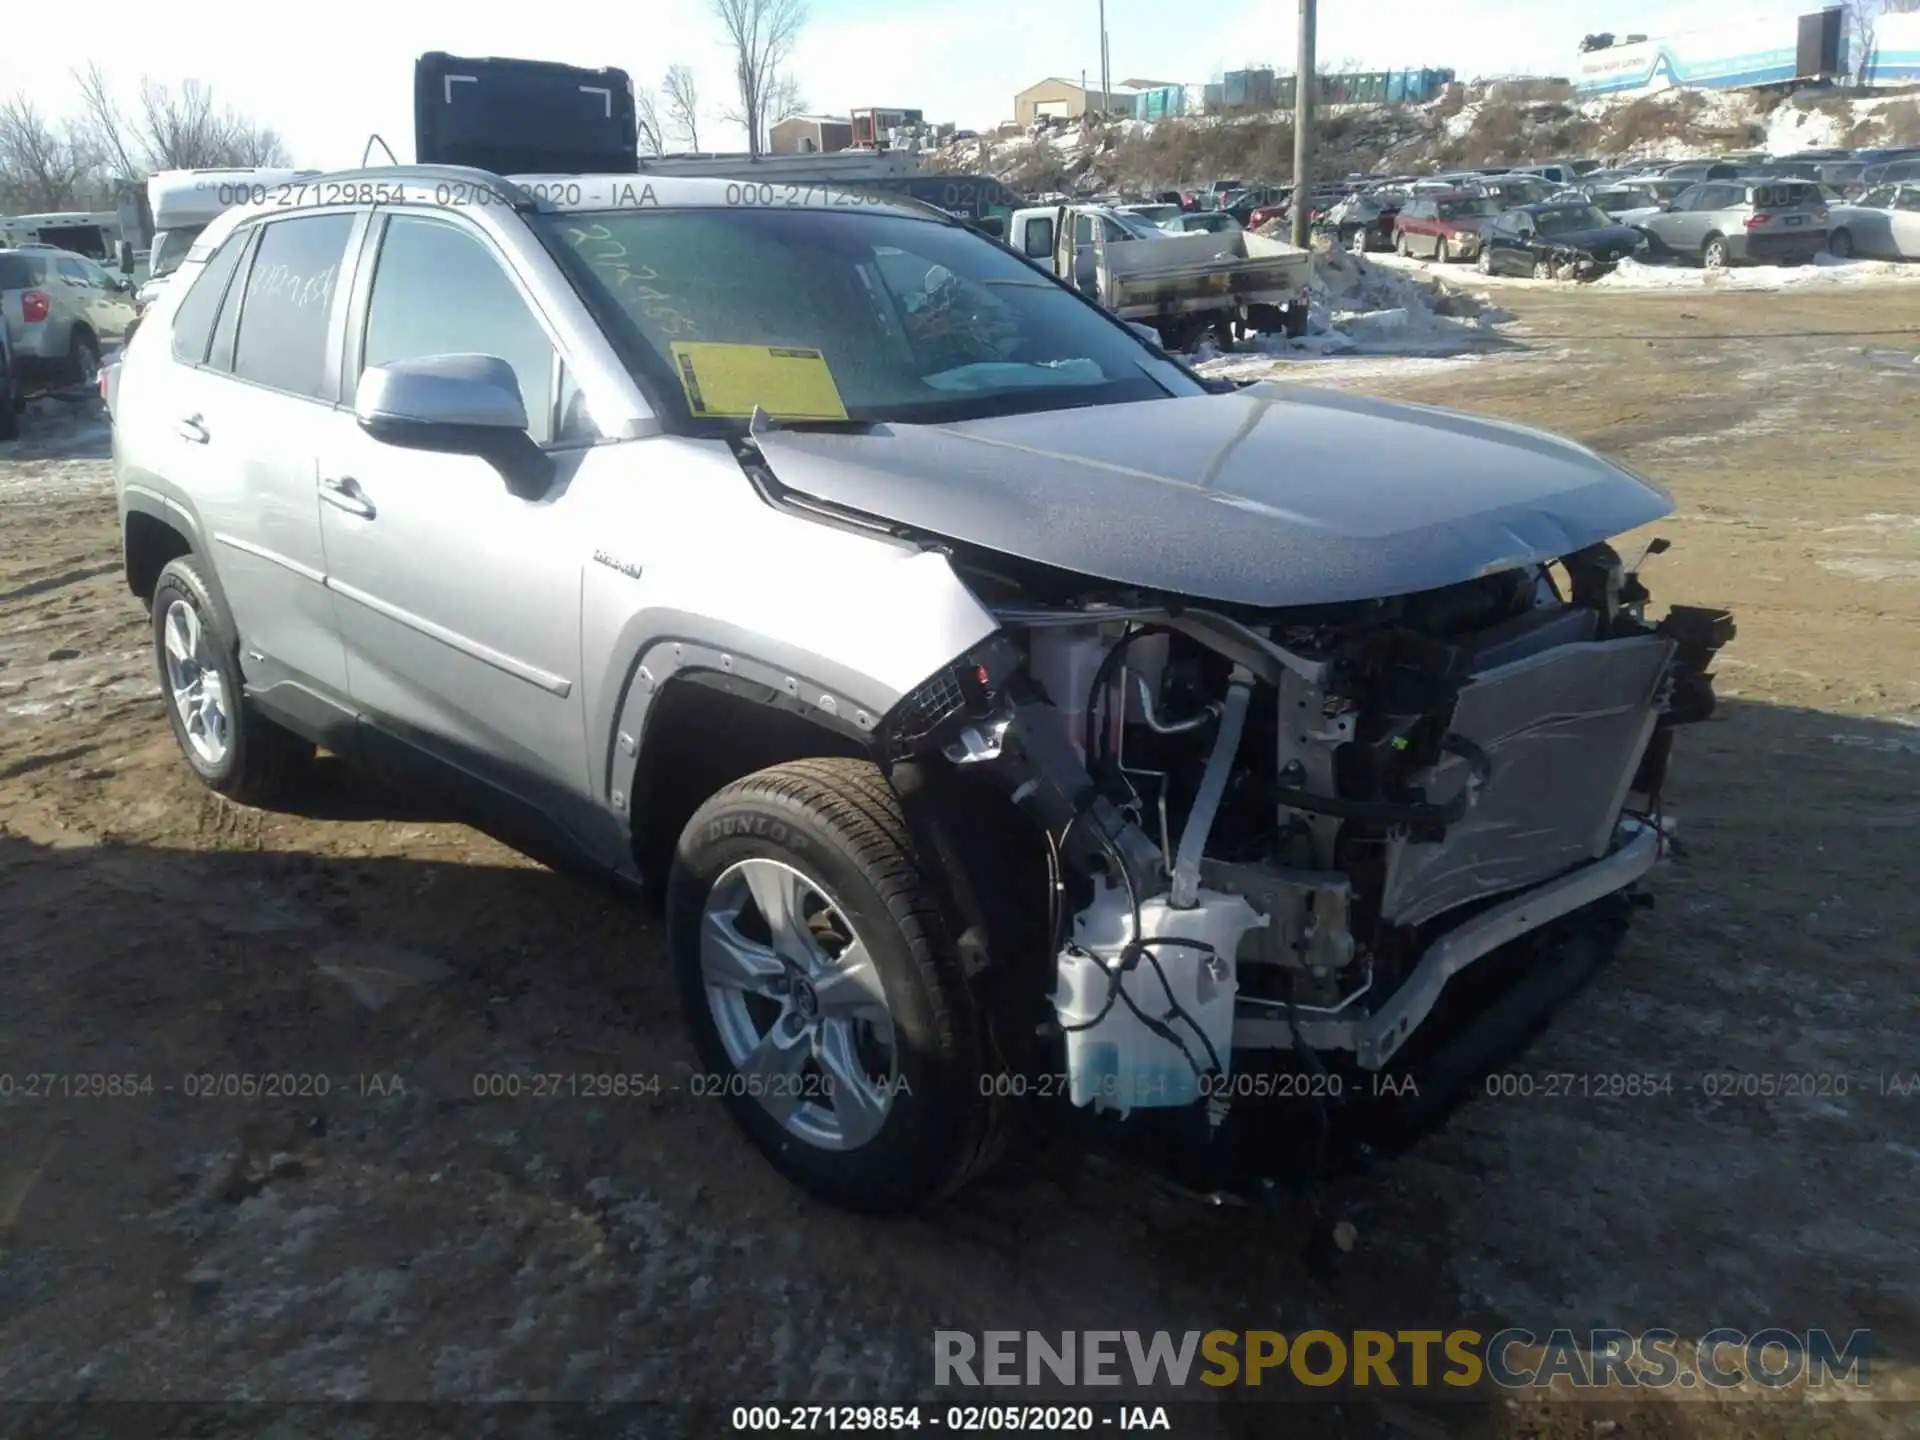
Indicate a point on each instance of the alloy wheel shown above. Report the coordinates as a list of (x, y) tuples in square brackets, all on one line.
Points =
[(193, 680), (798, 1004)]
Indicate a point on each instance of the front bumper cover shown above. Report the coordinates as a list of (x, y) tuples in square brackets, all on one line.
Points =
[(1377, 1036)]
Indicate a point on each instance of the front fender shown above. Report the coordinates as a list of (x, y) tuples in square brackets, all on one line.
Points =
[(842, 656)]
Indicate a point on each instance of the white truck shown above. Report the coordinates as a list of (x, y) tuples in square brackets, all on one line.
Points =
[(1183, 286), (181, 203)]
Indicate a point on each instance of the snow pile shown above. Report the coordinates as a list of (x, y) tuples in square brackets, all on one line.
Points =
[(1825, 270), (1817, 122), (1360, 308)]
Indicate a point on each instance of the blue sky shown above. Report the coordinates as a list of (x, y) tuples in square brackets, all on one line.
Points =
[(326, 86)]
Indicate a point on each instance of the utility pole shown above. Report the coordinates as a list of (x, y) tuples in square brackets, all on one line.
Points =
[(1105, 83), (1303, 131)]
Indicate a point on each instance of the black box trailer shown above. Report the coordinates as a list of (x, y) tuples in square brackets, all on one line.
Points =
[(523, 117)]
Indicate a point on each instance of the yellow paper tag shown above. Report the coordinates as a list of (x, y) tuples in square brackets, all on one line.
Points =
[(730, 380)]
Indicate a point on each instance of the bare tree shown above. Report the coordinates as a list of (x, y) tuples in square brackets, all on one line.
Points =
[(762, 33), (106, 125), (169, 130), (783, 99), (43, 166), (646, 107), (1862, 16), (683, 103), (1863, 22)]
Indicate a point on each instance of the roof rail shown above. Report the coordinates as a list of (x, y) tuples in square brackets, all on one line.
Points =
[(904, 200), (501, 187)]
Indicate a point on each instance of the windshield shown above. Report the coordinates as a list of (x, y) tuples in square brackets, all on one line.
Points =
[(1571, 220), (842, 315), (170, 247), (1466, 209), (1154, 214)]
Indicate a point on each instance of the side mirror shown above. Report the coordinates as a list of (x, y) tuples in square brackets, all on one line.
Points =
[(457, 405)]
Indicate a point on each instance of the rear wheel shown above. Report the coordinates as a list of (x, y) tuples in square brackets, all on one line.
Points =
[(10, 403), (1484, 262), (1357, 242), (84, 357), (824, 995), (1715, 255), (1441, 255), (1840, 245), (1542, 270)]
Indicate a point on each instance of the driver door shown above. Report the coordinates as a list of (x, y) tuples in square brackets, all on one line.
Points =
[(458, 601)]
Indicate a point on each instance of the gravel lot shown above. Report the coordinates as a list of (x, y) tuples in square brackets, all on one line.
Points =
[(402, 1238)]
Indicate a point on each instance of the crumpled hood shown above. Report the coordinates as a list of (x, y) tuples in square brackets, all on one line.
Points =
[(1271, 496)]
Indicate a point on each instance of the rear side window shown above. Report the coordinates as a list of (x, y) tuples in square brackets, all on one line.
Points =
[(21, 272), (193, 322), (283, 316)]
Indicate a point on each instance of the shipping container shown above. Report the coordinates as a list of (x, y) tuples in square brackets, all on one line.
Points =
[(1160, 103), (523, 117)]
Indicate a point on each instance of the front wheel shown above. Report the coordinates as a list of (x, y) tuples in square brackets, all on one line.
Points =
[(1542, 270), (825, 998), (1840, 245), (232, 750), (1484, 262), (1358, 243), (1441, 255)]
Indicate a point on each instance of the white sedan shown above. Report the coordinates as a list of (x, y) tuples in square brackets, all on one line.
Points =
[(1883, 224)]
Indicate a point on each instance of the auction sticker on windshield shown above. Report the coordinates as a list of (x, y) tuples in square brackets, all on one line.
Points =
[(727, 381)]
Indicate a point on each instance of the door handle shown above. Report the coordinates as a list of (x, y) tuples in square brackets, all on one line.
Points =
[(191, 429), (344, 493)]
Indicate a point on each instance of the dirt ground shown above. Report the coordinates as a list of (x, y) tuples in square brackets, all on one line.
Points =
[(401, 1237)]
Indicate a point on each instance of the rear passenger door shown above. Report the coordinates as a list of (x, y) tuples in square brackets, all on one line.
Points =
[(79, 301), (458, 601), (260, 407)]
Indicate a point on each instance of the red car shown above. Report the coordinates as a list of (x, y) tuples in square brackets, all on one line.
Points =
[(1443, 227)]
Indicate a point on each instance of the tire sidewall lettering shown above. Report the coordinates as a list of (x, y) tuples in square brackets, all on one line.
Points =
[(746, 825)]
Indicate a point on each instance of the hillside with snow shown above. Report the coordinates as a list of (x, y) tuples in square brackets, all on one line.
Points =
[(1497, 123)]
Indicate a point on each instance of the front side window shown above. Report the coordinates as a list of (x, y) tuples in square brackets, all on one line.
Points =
[(1909, 199), (914, 320), (282, 340), (438, 290)]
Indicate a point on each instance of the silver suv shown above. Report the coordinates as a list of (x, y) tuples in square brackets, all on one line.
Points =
[(1727, 222), (1004, 714), (62, 312)]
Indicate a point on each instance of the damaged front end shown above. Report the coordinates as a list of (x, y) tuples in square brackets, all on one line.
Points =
[(1284, 838)]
